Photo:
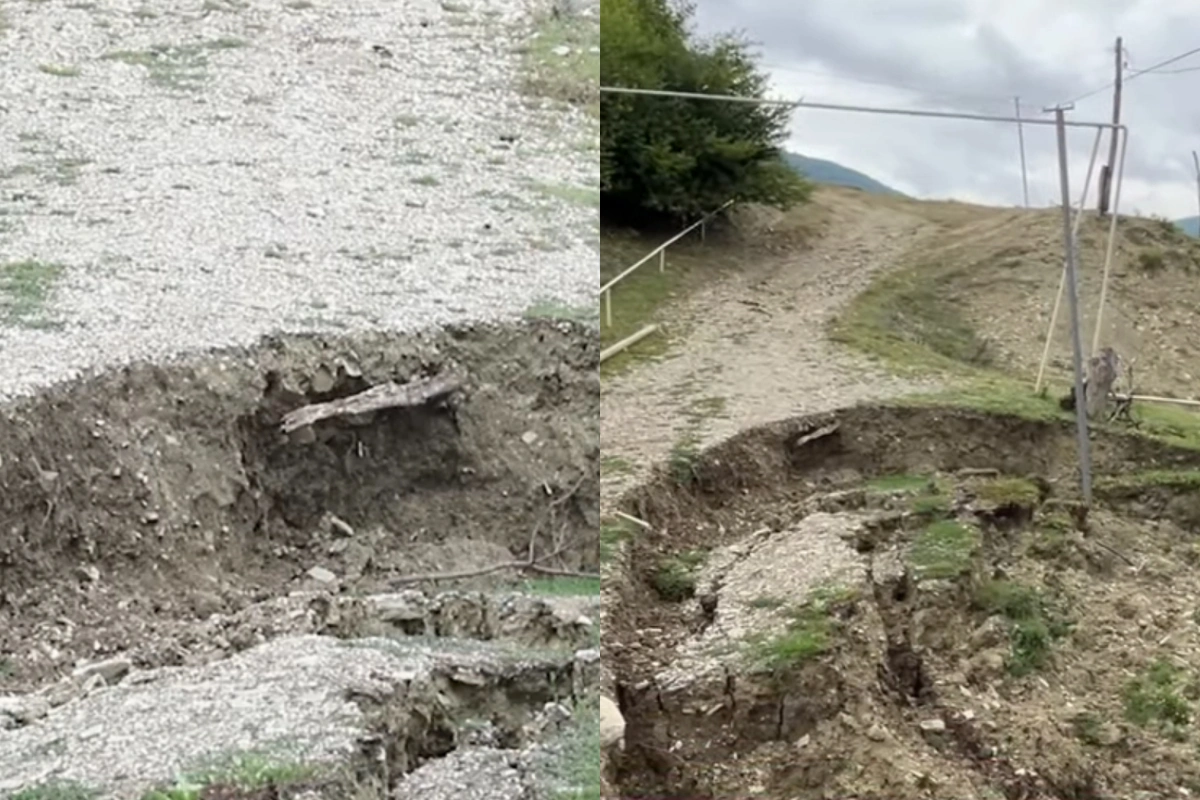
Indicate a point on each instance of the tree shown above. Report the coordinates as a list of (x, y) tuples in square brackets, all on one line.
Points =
[(676, 157)]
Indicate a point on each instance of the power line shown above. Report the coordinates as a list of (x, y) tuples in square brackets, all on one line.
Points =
[(890, 84), (1135, 74)]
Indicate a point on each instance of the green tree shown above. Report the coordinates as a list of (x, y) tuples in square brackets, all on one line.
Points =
[(678, 157)]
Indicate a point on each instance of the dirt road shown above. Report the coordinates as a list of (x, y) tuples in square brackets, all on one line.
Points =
[(756, 348)]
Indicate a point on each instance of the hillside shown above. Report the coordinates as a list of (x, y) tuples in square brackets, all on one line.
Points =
[(830, 571), (833, 174)]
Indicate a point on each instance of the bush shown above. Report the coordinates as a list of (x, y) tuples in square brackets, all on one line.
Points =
[(679, 158)]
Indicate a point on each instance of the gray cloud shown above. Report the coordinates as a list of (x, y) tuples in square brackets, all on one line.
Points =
[(974, 56)]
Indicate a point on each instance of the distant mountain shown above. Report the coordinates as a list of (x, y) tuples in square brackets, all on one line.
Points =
[(1189, 225), (820, 171)]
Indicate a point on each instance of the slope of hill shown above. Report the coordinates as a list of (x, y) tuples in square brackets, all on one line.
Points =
[(1189, 225), (829, 172)]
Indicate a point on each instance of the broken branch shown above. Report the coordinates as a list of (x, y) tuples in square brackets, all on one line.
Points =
[(385, 395)]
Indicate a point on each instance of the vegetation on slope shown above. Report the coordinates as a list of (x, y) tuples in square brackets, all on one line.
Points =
[(677, 159)]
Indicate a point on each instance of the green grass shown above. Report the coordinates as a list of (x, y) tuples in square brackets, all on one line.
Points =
[(930, 505), (616, 465), (25, 289), (1009, 492), (244, 771), (576, 768), (175, 67), (573, 78), (899, 482), (562, 586), (808, 635), (614, 533), (944, 549), (675, 578), (904, 320), (681, 460), (68, 790), (994, 394), (1159, 697), (1033, 625)]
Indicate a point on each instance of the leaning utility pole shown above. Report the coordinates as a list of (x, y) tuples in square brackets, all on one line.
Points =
[(1196, 161), (1072, 285), (1107, 170), (1021, 141)]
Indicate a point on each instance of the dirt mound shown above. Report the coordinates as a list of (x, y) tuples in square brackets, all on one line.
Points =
[(908, 603), (161, 493), (979, 287)]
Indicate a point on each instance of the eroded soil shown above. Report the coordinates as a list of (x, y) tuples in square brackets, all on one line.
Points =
[(157, 518), (910, 606)]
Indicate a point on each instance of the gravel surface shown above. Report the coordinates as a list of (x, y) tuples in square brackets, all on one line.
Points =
[(176, 177), (756, 348)]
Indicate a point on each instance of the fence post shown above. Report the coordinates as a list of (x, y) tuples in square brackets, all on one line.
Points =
[(662, 260), (702, 231), (608, 308)]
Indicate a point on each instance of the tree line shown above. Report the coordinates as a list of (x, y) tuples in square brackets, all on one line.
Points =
[(667, 158)]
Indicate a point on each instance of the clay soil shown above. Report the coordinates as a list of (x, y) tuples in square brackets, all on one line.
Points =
[(136, 503), (1056, 659)]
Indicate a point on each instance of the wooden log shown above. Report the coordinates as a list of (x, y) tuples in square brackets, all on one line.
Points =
[(385, 395)]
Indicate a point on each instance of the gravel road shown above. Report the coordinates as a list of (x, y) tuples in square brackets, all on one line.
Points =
[(180, 176), (756, 348)]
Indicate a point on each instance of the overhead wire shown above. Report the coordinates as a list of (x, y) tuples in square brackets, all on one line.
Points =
[(1134, 74)]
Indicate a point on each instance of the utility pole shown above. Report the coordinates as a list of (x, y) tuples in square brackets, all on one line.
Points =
[(1021, 141), (1107, 170), (1081, 420), (1196, 161)]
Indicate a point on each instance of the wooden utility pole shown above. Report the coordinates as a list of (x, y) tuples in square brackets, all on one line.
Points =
[(1107, 170), (1021, 141)]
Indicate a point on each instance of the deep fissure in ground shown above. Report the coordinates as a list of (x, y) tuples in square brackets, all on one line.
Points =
[(167, 492), (969, 638)]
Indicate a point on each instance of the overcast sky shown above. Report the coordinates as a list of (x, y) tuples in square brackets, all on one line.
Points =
[(975, 56)]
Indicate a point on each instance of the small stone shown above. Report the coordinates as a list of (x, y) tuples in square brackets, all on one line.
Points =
[(935, 725), (321, 575), (877, 733), (529, 438), (561, 51), (89, 573), (803, 741)]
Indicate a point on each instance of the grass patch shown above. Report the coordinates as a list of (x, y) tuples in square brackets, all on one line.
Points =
[(562, 586), (60, 70), (944, 549), (246, 771), (181, 68), (898, 482), (68, 790), (675, 578), (1088, 728), (561, 61), (576, 767), (904, 319), (808, 634), (614, 533), (1002, 492), (681, 461), (994, 394), (1160, 697), (616, 465), (1034, 627), (25, 288), (930, 505), (426, 180)]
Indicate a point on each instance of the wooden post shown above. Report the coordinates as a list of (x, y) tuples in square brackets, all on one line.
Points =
[(1106, 173)]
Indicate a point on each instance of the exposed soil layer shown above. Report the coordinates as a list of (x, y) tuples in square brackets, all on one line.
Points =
[(163, 493), (910, 606)]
